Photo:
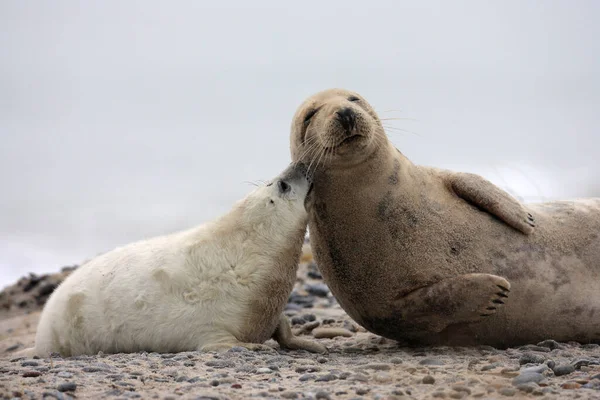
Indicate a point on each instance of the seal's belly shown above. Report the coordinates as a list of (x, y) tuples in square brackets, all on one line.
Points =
[(553, 272)]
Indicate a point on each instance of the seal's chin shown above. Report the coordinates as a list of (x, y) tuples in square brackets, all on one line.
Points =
[(350, 139)]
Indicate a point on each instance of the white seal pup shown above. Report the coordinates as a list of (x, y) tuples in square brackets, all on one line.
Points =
[(219, 285)]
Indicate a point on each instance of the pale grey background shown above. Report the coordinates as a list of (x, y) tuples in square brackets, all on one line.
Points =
[(122, 120)]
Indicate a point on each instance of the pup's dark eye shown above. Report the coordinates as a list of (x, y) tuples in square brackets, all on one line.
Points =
[(310, 115), (353, 98)]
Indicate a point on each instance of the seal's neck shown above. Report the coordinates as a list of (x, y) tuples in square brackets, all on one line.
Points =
[(384, 163), (265, 230)]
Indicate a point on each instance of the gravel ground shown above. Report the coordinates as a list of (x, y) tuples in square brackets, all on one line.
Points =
[(359, 365)]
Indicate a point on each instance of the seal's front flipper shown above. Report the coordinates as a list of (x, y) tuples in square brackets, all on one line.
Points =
[(490, 198), (461, 299), (286, 339)]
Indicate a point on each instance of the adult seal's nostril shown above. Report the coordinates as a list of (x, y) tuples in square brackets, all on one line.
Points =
[(283, 186), (347, 118)]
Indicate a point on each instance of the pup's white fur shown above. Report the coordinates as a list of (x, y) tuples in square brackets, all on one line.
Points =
[(222, 284)]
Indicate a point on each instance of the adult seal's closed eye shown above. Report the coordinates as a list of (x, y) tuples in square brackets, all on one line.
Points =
[(430, 256), (219, 285)]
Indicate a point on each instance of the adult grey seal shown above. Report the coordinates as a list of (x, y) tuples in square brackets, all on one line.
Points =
[(431, 256)]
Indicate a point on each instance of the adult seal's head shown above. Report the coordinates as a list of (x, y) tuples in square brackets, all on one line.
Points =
[(426, 255), (336, 127)]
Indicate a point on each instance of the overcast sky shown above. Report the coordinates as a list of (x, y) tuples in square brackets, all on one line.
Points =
[(123, 120)]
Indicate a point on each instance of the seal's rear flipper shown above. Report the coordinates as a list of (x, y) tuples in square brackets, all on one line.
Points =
[(286, 339), (488, 197), (29, 352), (461, 299)]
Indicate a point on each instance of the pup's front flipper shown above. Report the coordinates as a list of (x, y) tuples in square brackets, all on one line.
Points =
[(286, 339), (488, 197), (461, 299)]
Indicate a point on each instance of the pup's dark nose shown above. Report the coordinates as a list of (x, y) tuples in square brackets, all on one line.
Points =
[(283, 186), (347, 118)]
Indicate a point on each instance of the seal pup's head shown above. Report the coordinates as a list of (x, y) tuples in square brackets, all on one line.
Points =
[(281, 201), (335, 127)]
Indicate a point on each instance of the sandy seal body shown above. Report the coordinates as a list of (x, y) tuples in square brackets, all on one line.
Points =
[(430, 256), (219, 285)]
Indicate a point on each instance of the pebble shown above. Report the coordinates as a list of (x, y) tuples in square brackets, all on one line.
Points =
[(458, 395), (584, 363), (31, 374), (533, 347), (570, 385), (13, 347), (383, 377), (264, 371), (307, 377), (67, 387), (461, 388), (564, 369), (429, 380), (491, 366), (509, 392), (29, 363), (527, 387), (326, 378), (298, 321), (56, 395), (551, 344), (431, 361), (350, 326), (540, 369), (362, 391), (92, 369), (358, 377), (330, 333), (322, 395), (220, 364), (531, 358), (312, 274), (64, 374), (292, 308), (309, 317), (304, 301), (317, 289), (289, 395), (249, 369), (378, 367), (528, 377), (593, 384)]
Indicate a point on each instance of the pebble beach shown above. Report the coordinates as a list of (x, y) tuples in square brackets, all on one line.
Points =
[(359, 364)]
